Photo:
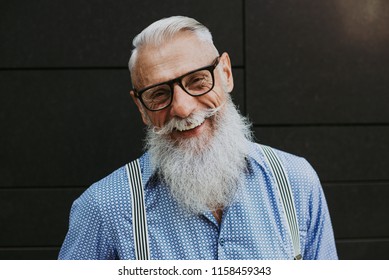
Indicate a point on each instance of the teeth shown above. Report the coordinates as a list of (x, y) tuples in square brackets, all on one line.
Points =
[(190, 126)]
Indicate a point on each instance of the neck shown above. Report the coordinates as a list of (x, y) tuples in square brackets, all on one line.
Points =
[(218, 215)]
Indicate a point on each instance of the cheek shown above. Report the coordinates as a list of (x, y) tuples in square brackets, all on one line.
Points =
[(158, 119), (215, 98)]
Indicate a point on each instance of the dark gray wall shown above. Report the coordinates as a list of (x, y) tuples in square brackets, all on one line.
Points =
[(311, 75)]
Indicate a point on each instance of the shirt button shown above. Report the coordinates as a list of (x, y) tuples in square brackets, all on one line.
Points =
[(221, 241)]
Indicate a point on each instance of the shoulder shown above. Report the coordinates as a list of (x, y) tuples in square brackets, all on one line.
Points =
[(297, 168), (100, 197), (302, 177), (111, 190), (305, 185), (304, 180)]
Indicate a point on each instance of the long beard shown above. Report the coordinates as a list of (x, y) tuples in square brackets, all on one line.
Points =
[(203, 173)]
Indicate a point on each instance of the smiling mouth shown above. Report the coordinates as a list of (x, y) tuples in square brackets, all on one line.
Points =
[(190, 126)]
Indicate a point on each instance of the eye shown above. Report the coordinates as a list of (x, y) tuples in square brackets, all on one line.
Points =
[(198, 81), (156, 95)]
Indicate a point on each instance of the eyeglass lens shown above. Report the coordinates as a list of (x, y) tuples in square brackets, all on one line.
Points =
[(196, 83)]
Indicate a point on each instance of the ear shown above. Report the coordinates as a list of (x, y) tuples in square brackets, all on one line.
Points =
[(140, 108), (227, 71)]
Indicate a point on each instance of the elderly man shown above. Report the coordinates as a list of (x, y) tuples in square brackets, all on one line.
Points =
[(203, 189)]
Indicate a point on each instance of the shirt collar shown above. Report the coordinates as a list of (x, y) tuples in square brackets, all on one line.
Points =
[(255, 153)]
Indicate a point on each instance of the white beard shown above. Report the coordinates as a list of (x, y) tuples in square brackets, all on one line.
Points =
[(202, 173)]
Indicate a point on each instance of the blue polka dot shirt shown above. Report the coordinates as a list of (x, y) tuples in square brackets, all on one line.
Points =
[(252, 227)]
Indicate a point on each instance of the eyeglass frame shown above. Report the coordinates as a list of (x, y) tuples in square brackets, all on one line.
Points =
[(178, 80)]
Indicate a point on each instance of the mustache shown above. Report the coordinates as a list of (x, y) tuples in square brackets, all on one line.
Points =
[(194, 119)]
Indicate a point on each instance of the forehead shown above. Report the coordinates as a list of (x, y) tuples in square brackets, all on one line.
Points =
[(183, 53)]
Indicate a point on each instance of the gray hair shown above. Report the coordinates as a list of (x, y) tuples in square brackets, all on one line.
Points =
[(165, 29)]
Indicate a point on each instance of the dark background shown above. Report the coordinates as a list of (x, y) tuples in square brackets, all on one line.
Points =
[(311, 75)]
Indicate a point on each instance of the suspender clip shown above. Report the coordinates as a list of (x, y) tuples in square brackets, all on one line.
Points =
[(298, 257)]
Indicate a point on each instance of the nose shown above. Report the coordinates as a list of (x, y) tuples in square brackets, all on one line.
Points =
[(182, 104)]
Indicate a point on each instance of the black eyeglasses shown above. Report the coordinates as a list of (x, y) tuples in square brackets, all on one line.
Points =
[(195, 83)]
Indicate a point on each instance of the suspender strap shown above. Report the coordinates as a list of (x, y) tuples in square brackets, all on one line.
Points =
[(139, 222), (285, 192)]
